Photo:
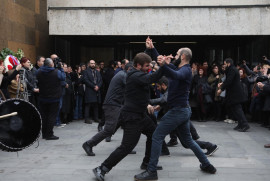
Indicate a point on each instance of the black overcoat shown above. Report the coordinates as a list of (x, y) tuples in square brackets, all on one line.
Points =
[(232, 84), (91, 95)]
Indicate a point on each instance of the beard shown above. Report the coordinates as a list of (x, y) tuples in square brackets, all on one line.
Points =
[(176, 62)]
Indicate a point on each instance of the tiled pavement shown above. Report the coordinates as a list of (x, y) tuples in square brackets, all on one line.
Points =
[(241, 156)]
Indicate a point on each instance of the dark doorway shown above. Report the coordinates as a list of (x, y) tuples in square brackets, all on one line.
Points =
[(76, 49)]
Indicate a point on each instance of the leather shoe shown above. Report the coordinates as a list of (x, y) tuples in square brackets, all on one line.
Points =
[(244, 128), (88, 149), (172, 143), (144, 166), (267, 146), (52, 138), (133, 152), (146, 175), (237, 127), (108, 139), (88, 121)]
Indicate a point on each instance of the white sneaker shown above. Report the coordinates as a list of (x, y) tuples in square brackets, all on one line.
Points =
[(60, 126), (63, 124), (231, 121), (226, 120)]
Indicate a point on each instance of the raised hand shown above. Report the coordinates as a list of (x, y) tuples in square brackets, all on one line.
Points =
[(161, 60), (19, 67), (148, 43), (151, 44), (168, 59)]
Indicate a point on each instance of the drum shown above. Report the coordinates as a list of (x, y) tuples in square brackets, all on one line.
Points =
[(20, 125)]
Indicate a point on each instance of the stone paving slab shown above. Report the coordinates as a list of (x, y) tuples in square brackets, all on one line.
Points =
[(241, 156)]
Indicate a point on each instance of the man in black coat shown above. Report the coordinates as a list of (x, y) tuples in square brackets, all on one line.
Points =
[(50, 92), (133, 114), (234, 95), (111, 106), (93, 82)]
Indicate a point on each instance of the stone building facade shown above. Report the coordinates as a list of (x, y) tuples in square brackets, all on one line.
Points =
[(24, 25)]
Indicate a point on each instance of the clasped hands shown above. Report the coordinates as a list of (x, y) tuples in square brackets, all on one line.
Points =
[(163, 59)]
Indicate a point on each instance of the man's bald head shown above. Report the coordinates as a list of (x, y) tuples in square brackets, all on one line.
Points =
[(53, 56)]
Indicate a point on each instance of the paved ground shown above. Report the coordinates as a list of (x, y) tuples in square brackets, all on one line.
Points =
[(241, 156)]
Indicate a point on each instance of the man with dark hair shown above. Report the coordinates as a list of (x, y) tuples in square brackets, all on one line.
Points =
[(234, 95), (50, 92), (133, 115), (39, 63), (178, 116), (111, 106), (123, 63), (93, 82)]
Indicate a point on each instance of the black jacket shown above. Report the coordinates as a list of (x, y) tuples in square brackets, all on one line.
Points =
[(137, 93), (30, 81), (90, 94), (232, 84), (115, 93)]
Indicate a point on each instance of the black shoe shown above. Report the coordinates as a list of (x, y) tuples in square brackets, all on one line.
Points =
[(52, 138), (211, 150), (244, 128), (88, 121), (100, 172), (172, 143), (108, 139), (88, 149), (195, 137), (146, 175), (144, 166), (237, 127), (209, 169), (165, 153), (133, 152), (99, 128)]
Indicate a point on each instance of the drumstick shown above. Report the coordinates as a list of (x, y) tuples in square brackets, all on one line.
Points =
[(8, 115)]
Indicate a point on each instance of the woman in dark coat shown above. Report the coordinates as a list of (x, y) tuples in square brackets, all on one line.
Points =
[(213, 80), (30, 79), (200, 86)]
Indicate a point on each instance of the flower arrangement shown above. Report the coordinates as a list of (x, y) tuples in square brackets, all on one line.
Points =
[(6, 51)]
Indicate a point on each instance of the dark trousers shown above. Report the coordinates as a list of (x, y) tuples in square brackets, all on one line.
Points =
[(193, 132), (48, 111), (94, 106), (134, 124), (237, 113), (111, 121)]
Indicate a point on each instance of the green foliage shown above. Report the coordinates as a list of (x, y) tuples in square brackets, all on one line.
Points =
[(19, 54), (6, 51)]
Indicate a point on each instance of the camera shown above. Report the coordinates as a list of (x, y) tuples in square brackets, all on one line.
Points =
[(57, 62), (262, 79)]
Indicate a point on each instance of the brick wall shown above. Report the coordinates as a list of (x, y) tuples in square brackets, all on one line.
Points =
[(23, 24)]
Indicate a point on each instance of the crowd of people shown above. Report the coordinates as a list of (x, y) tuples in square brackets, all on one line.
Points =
[(136, 94)]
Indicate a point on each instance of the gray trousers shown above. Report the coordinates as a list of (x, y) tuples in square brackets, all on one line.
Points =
[(111, 121)]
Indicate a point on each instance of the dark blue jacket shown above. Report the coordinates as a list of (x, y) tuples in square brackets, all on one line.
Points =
[(42, 76), (179, 84)]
